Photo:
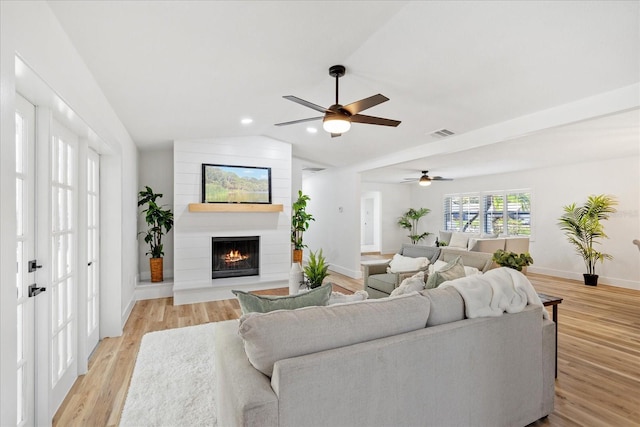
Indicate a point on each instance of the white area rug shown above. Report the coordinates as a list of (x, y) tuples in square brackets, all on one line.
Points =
[(173, 381)]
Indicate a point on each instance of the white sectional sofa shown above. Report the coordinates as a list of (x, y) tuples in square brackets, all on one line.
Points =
[(404, 361)]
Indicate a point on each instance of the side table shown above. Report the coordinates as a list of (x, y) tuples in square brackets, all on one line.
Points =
[(550, 300)]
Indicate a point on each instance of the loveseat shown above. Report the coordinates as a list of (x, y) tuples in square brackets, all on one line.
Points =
[(403, 361)]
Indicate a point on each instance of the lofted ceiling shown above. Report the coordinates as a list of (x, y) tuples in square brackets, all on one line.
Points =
[(194, 69)]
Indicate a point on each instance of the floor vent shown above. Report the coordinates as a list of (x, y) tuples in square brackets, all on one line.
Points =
[(442, 133)]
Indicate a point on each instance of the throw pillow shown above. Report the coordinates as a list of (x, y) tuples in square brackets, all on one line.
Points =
[(340, 298), (453, 270), (436, 266), (459, 240), (471, 271), (400, 263), (414, 283), (251, 303)]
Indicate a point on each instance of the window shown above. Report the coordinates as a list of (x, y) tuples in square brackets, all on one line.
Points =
[(500, 212)]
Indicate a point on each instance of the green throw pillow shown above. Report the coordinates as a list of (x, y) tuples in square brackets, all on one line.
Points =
[(453, 270), (251, 303)]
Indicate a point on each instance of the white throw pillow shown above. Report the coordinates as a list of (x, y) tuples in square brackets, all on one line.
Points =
[(340, 298), (436, 266), (401, 264), (459, 240), (414, 283)]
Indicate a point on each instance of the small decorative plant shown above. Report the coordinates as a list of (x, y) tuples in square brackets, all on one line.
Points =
[(316, 269), (512, 259), (583, 227), (159, 221), (409, 220), (300, 220)]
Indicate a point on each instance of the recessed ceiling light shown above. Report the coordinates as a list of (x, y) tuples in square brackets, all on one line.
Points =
[(312, 130), (246, 121)]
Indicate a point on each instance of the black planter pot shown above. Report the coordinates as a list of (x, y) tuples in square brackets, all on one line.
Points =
[(590, 279)]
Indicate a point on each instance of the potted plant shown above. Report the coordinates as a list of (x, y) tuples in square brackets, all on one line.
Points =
[(583, 227), (512, 259), (409, 220), (299, 224), (159, 221), (316, 269)]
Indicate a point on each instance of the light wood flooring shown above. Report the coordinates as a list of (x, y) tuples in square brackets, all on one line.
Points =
[(598, 380)]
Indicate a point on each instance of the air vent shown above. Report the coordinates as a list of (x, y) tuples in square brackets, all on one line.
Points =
[(313, 169), (441, 133)]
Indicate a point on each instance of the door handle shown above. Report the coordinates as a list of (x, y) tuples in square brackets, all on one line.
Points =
[(89, 263), (35, 290), (33, 266)]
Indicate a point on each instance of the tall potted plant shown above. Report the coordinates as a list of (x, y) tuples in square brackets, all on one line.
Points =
[(159, 221), (583, 227), (300, 220), (409, 220)]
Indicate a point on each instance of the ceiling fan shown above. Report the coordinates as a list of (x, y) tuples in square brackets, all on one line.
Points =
[(425, 179), (337, 118)]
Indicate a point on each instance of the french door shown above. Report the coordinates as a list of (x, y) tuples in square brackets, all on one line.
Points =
[(62, 239), (57, 250)]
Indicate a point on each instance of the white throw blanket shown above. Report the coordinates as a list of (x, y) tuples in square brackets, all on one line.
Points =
[(496, 291)]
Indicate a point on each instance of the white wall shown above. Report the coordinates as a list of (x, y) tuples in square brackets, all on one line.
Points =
[(30, 30), (193, 230), (335, 205), (156, 171), (553, 188), (395, 199)]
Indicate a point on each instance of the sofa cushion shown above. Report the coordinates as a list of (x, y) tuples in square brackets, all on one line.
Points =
[(283, 334), (444, 236), (251, 303), (400, 263), (486, 245), (382, 282), (414, 283), (453, 270), (446, 306), (459, 240), (415, 251)]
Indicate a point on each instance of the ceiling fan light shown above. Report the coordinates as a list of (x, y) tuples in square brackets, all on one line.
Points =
[(336, 124), (424, 181)]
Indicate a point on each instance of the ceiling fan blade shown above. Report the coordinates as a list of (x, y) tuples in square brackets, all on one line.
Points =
[(439, 178), (335, 135), (305, 103), (355, 107), (370, 120), (298, 121)]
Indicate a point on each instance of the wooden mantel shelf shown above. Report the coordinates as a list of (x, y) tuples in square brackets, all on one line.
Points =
[(234, 207)]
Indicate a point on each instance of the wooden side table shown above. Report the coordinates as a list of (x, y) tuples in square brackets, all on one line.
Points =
[(550, 300)]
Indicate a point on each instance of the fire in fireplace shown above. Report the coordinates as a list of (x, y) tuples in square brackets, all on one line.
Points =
[(235, 256)]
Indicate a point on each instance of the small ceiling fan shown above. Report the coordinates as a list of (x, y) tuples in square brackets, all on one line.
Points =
[(337, 118), (425, 179)]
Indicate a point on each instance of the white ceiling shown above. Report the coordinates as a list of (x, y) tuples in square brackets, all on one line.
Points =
[(191, 69)]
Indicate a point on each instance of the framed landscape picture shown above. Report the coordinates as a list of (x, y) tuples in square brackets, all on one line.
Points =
[(235, 184)]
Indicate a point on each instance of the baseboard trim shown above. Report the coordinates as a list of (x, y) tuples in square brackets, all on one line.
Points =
[(611, 281)]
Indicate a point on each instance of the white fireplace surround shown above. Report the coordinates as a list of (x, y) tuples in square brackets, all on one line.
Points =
[(193, 230)]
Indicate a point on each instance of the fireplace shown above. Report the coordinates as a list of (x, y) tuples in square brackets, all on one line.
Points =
[(235, 256)]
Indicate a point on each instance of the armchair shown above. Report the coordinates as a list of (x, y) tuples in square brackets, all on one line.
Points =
[(379, 284)]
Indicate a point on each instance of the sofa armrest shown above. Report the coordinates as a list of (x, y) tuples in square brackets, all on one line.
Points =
[(374, 267), (244, 396)]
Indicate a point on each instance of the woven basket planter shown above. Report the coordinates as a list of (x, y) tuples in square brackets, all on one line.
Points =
[(156, 269)]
